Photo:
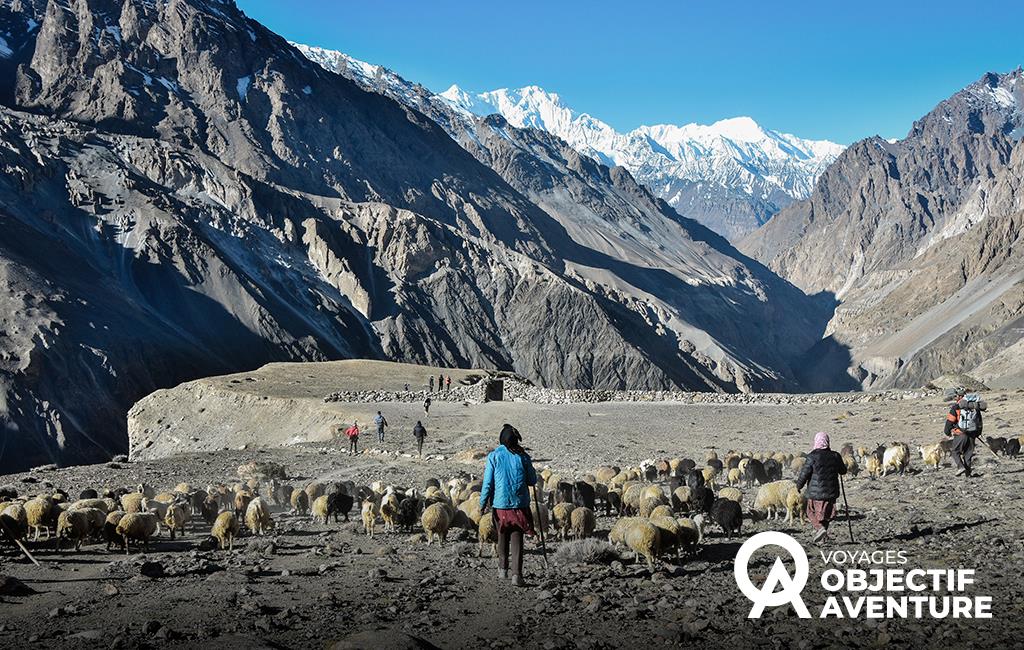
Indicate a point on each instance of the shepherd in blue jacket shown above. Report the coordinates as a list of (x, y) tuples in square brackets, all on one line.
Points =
[(507, 477)]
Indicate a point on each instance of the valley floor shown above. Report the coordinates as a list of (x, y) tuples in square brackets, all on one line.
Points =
[(310, 584)]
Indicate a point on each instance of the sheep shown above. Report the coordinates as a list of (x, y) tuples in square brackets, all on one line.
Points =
[(110, 533), (210, 509), (648, 504), (313, 490), (681, 499), (796, 503), (896, 458), (224, 530), (319, 509), (38, 515), (339, 502), (132, 502), (1012, 447), (701, 499), (257, 517), (183, 489), (138, 526), (582, 522), (771, 497), (668, 533), (733, 477), (541, 521), (931, 455), (561, 515), (617, 534), (300, 502), (710, 473), (165, 497), (873, 466), (146, 490), (74, 525), (797, 464), (688, 536), (605, 474), (195, 502), (408, 512), (773, 469), (472, 509), (175, 518), (643, 538), (369, 514), (731, 493), (754, 473), (436, 520), (661, 511), (14, 520), (389, 511), (486, 532), (728, 515), (852, 468), (88, 494)]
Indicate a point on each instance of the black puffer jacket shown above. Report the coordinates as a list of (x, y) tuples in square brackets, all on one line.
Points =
[(820, 474)]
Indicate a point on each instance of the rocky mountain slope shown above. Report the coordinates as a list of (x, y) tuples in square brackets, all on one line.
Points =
[(920, 242), (184, 193), (732, 175)]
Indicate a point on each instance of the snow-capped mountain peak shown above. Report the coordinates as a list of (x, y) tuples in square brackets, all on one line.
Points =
[(699, 169)]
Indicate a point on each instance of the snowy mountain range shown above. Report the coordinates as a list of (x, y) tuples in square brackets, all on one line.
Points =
[(732, 175)]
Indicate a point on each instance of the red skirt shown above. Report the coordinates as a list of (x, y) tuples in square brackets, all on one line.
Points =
[(514, 519), (820, 512)]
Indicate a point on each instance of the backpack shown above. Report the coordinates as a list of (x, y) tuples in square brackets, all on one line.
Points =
[(969, 409)]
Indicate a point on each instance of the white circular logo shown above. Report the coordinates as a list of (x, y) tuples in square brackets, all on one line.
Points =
[(767, 596)]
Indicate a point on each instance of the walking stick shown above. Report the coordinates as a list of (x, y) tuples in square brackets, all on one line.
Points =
[(849, 524), (540, 528)]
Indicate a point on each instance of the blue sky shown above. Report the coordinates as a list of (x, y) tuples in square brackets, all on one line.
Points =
[(825, 69)]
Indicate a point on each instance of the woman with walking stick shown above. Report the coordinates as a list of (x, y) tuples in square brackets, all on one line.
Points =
[(508, 476), (820, 473)]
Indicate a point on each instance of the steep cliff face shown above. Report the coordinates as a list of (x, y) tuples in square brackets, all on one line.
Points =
[(918, 240), (184, 194)]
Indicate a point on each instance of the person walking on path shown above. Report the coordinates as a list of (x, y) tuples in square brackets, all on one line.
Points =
[(431, 389), (426, 406), (420, 433), (508, 475), (440, 383), (447, 383), (353, 438), (381, 423), (820, 474), (963, 424)]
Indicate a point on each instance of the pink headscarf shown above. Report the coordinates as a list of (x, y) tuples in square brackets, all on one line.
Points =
[(821, 440)]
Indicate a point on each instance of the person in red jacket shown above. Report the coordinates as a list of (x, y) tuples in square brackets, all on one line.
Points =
[(353, 438)]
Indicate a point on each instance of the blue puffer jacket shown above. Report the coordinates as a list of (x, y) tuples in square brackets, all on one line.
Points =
[(506, 478)]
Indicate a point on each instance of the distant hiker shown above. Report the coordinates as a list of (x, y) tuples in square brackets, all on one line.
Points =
[(431, 383), (353, 438), (507, 477), (426, 406), (381, 423), (963, 423), (448, 383), (440, 382), (419, 432), (820, 474), (407, 388)]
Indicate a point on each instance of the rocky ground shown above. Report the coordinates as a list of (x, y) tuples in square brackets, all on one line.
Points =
[(310, 584)]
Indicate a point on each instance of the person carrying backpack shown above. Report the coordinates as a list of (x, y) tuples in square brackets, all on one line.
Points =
[(381, 423), (426, 406), (964, 424), (419, 432), (353, 438)]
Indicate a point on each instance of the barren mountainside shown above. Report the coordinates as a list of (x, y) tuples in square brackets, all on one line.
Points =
[(920, 242), (184, 193)]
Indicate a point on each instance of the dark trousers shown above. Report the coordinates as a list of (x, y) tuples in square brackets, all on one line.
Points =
[(963, 451), (419, 446), (353, 445), (380, 434), (511, 542)]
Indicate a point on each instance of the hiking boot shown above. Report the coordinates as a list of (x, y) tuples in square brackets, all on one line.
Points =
[(961, 471), (820, 535), (503, 574), (517, 581)]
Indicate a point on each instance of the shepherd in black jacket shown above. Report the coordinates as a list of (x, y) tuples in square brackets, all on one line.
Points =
[(820, 474)]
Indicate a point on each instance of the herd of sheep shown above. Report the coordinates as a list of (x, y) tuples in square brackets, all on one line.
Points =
[(661, 506)]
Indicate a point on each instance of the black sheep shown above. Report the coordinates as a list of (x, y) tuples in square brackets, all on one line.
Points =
[(701, 499), (89, 494), (685, 465), (755, 473), (773, 470), (997, 445), (339, 503), (408, 513), (716, 464), (1012, 447), (694, 479), (583, 495), (728, 515), (613, 503)]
